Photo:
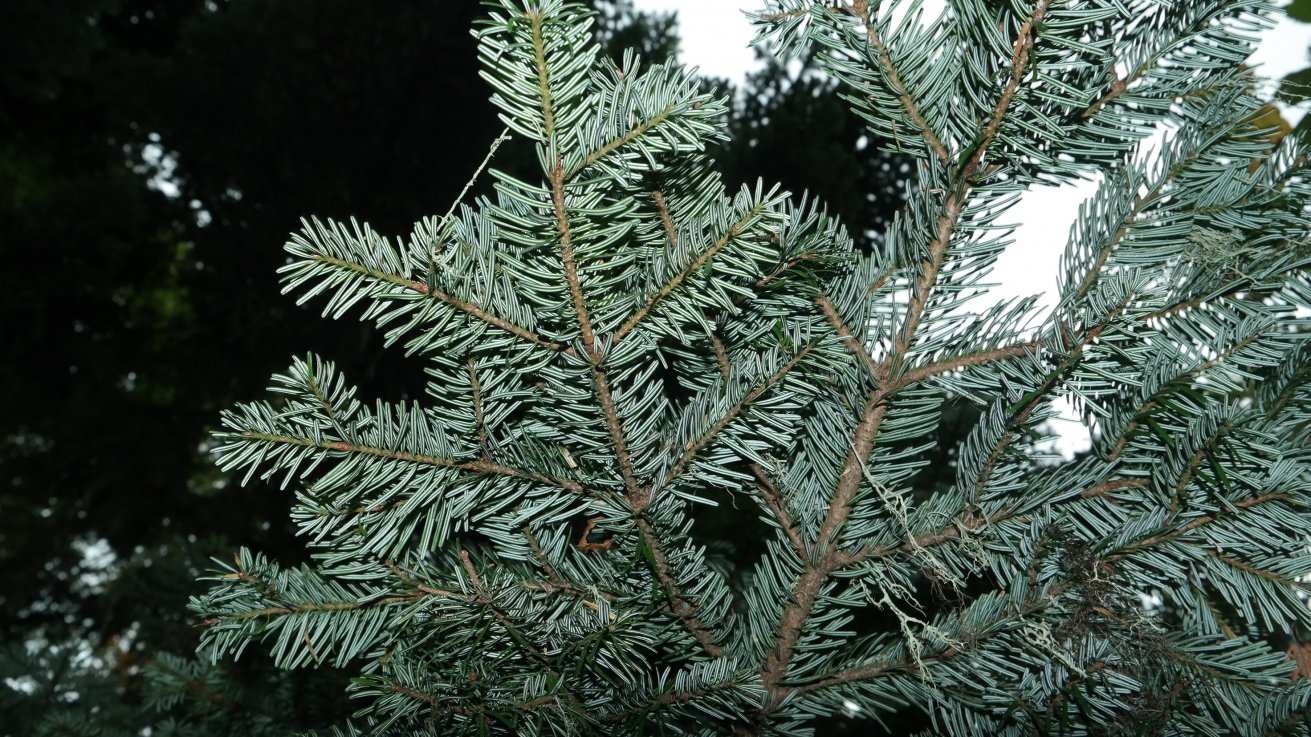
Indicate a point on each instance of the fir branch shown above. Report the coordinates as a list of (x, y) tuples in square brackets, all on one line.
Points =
[(670, 699), (1021, 413), (694, 447), (665, 219), (437, 702), (721, 356), (420, 288), (557, 628), (1194, 461), (477, 400), (1106, 487), (923, 373), (808, 584), (678, 603), (916, 666), (636, 494), (543, 75), (1117, 87), (567, 255), (1196, 523), (852, 343), (899, 88), (778, 506), (1259, 572), (474, 467), (697, 264), (611, 146)]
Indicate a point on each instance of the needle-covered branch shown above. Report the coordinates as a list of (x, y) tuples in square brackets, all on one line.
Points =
[(631, 371)]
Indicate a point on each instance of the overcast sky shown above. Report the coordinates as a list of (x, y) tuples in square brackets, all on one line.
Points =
[(716, 37)]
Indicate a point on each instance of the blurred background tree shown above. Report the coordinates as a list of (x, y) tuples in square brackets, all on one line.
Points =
[(154, 154)]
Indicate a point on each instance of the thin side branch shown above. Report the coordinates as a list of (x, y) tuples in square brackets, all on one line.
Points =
[(916, 375), (778, 506), (678, 603), (478, 409), (474, 467), (665, 218), (611, 146), (893, 78), (682, 276), (419, 287), (852, 343), (694, 447)]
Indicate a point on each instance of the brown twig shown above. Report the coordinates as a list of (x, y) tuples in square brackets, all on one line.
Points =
[(852, 343), (916, 375), (778, 505), (678, 604), (696, 446), (478, 408), (611, 146), (663, 207), (908, 105)]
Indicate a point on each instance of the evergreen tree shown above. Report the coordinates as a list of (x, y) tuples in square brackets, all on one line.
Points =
[(618, 342)]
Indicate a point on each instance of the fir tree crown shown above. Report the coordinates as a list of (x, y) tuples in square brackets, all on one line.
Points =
[(619, 351)]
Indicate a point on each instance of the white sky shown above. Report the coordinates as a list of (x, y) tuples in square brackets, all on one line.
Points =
[(716, 38)]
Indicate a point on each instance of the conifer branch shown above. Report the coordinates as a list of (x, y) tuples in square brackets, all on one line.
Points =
[(474, 467), (665, 219), (1122, 440), (477, 400), (923, 373), (669, 699), (773, 497), (681, 276), (899, 88), (678, 603), (1194, 524), (543, 74), (611, 146), (1060, 549), (1106, 487), (721, 356), (431, 700), (1259, 572), (1140, 205), (916, 666), (420, 288), (848, 339), (636, 495), (694, 447), (567, 255), (809, 583), (1194, 461)]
